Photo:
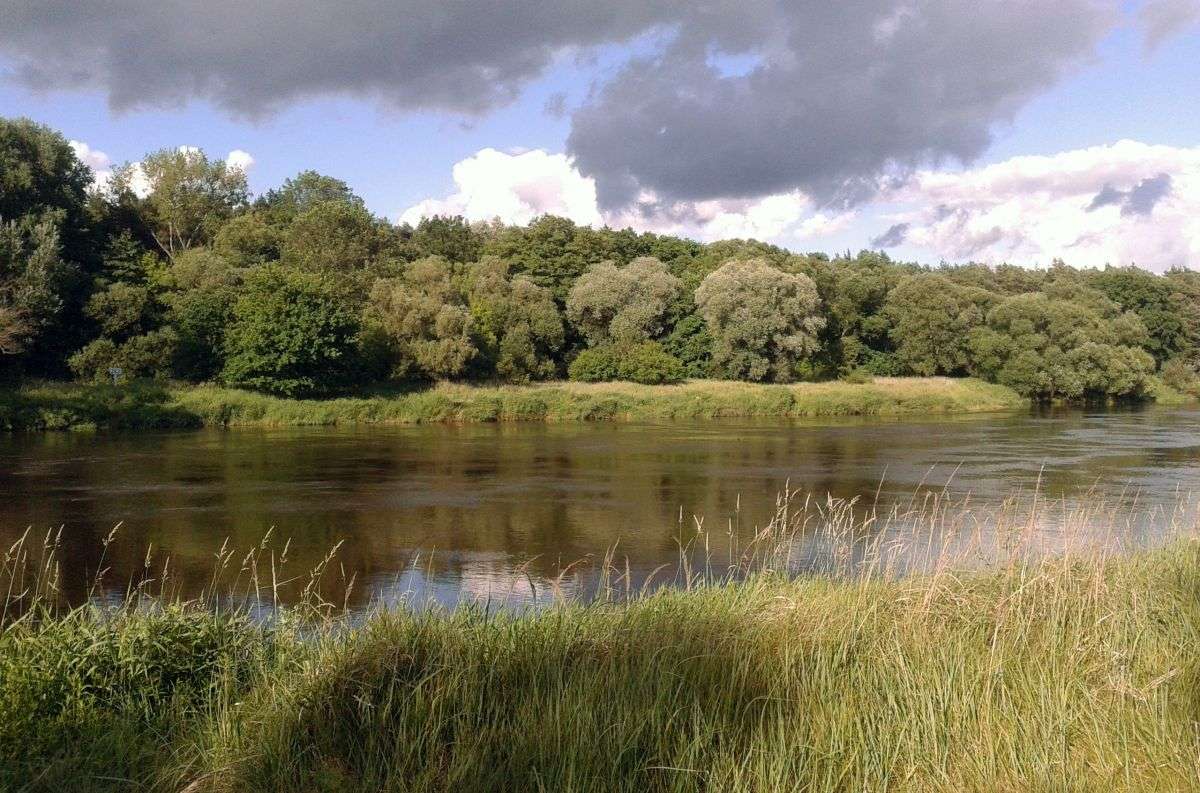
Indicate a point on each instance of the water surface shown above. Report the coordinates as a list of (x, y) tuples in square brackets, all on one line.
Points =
[(498, 510)]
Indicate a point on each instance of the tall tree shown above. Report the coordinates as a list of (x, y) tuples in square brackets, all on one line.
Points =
[(187, 197), (763, 322)]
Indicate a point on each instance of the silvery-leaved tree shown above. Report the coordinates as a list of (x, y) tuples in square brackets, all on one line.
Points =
[(764, 322)]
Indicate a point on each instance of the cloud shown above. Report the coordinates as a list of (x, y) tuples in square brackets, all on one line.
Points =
[(1124, 203), (240, 160), (714, 100), (1162, 19), (92, 158), (841, 93), (517, 187), (253, 58), (892, 237)]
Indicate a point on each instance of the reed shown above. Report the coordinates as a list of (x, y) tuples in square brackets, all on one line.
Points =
[(151, 405), (936, 645)]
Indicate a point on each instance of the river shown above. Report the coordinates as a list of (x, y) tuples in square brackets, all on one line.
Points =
[(444, 513)]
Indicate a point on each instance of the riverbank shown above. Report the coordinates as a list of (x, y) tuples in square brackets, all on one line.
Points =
[(1077, 673), (149, 405)]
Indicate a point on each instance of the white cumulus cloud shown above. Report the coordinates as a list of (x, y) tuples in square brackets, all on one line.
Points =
[(1123, 203), (240, 160), (515, 188), (518, 187)]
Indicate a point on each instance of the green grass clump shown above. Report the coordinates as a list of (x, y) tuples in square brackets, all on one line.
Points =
[(1070, 673), (149, 405)]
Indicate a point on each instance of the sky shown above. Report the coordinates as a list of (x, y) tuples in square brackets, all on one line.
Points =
[(998, 130)]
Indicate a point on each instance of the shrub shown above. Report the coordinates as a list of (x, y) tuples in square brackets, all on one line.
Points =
[(1181, 375), (647, 363), (293, 333), (594, 365), (147, 355)]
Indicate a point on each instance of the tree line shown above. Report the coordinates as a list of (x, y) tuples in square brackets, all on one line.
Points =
[(171, 269)]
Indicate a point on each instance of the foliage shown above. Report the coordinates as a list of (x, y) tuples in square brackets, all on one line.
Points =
[(691, 343), (188, 196), (42, 181), (622, 305), (335, 237), (646, 363), (162, 251), (516, 325), (425, 317), (1047, 348), (764, 322), (931, 318), (33, 277), (292, 333)]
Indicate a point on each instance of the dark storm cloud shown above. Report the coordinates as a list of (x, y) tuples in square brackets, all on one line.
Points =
[(1138, 200), (843, 92), (828, 97), (254, 56), (1162, 19), (892, 237)]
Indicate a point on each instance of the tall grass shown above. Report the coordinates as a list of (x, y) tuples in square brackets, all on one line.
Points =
[(68, 406), (1016, 660)]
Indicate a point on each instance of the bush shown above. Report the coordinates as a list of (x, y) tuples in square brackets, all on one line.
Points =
[(883, 364), (293, 333), (1182, 376), (647, 364), (594, 365), (148, 355)]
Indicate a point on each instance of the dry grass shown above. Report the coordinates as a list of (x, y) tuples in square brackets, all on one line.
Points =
[(1040, 647)]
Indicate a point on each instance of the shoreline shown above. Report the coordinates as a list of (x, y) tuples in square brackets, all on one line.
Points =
[(149, 405), (1077, 668)]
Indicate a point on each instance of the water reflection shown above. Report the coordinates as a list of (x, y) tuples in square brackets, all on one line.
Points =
[(454, 513)]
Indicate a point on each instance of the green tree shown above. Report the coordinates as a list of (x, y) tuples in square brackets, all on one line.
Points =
[(33, 279), (248, 240), (41, 180), (931, 319), (1048, 348), (552, 251), (342, 238), (764, 322), (188, 197), (623, 305), (293, 333), (516, 325), (423, 315), (451, 238), (1150, 297), (301, 193), (202, 288)]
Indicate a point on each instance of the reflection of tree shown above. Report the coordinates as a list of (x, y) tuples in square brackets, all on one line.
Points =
[(482, 500)]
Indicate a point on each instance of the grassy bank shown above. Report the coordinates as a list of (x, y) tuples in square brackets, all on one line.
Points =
[(1073, 673), (67, 406)]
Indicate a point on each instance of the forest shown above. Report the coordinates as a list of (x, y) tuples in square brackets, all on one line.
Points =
[(172, 270)]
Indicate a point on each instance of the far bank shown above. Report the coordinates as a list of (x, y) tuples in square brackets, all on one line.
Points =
[(147, 405)]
